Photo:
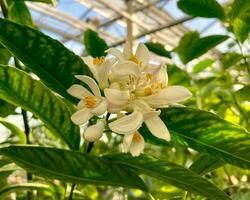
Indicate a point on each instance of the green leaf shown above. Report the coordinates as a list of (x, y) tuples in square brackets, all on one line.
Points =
[(6, 108), (4, 55), (240, 16), (207, 133), (205, 163), (177, 76), (38, 99), (158, 49), (53, 63), (18, 12), (170, 173), (5, 191), (230, 59), (94, 45), (202, 65), (243, 94), (72, 166), (14, 129), (202, 8), (191, 46)]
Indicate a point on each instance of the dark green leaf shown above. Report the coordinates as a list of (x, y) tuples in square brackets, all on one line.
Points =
[(6, 108), (72, 166), (202, 65), (171, 173), (230, 59), (158, 49), (38, 99), (243, 94), (94, 45), (202, 8), (205, 163), (4, 55), (207, 133), (191, 46), (14, 130), (177, 76), (18, 12), (53, 63)]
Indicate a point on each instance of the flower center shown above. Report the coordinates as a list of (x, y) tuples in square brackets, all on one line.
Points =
[(137, 137), (148, 91), (98, 60), (134, 59), (90, 101)]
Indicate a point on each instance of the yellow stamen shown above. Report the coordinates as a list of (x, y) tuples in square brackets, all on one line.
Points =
[(134, 59), (98, 60), (90, 101), (148, 91), (137, 137), (149, 76)]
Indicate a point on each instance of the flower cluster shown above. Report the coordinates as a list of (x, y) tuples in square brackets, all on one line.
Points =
[(134, 90)]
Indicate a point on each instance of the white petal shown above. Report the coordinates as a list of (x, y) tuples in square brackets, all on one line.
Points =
[(128, 124), (101, 108), (141, 105), (137, 146), (81, 116), (168, 95), (89, 62), (91, 83), (127, 50), (79, 91), (117, 97), (81, 105), (125, 68), (114, 108), (142, 53), (94, 132), (115, 52), (127, 140), (158, 128), (103, 72)]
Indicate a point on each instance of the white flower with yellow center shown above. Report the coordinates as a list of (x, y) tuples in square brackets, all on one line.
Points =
[(91, 103), (100, 68)]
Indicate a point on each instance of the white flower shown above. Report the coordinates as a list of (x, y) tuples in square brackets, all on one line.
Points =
[(100, 68), (133, 143), (94, 132), (91, 103)]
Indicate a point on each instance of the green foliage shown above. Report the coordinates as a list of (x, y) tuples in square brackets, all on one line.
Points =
[(202, 8), (94, 45), (19, 12), (6, 108), (230, 59), (191, 46), (171, 173), (240, 17), (35, 97), (5, 55), (177, 76), (243, 94), (202, 65), (158, 49), (54, 64), (72, 166), (206, 132), (205, 163)]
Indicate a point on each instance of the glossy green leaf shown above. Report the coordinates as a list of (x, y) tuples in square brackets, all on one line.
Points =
[(202, 8), (207, 133), (4, 55), (6, 108), (72, 166), (38, 99), (191, 46), (53, 63), (18, 12), (5, 191), (202, 65), (243, 94), (94, 45), (171, 173), (158, 49), (205, 163), (14, 130)]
